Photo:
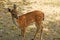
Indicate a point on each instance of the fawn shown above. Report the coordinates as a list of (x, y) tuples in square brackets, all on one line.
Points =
[(24, 20)]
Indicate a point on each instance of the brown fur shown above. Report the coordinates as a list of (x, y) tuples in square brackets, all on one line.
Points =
[(26, 19)]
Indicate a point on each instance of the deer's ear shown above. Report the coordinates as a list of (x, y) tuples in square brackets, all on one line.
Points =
[(9, 9), (14, 6)]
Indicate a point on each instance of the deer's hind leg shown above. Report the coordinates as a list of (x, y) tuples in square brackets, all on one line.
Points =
[(39, 27)]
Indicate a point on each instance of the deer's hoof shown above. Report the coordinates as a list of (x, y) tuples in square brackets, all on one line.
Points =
[(32, 39), (20, 35)]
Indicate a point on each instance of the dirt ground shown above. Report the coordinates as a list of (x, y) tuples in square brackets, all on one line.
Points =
[(51, 23)]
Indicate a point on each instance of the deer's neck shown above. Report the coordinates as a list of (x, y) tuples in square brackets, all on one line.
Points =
[(14, 20), (17, 17)]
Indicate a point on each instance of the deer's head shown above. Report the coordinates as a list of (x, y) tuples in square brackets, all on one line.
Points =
[(13, 11)]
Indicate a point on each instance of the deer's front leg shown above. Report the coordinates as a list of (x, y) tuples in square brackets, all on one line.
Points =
[(23, 33)]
